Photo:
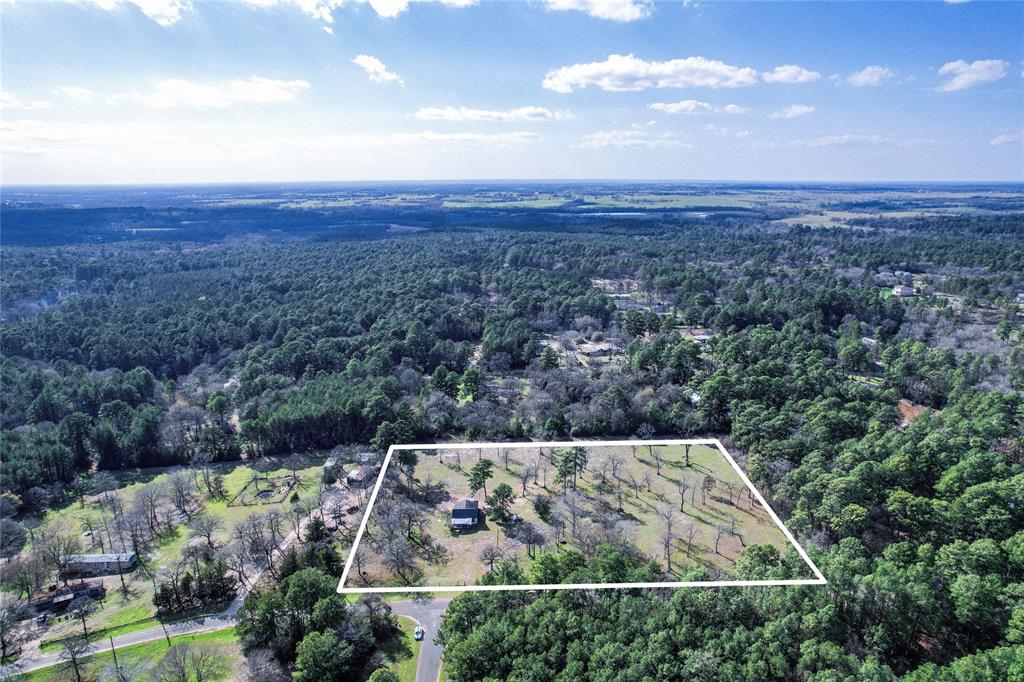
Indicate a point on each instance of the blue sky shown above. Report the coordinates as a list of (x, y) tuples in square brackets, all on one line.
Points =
[(98, 91)]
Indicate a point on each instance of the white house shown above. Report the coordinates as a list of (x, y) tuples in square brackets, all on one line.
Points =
[(902, 291), (99, 564)]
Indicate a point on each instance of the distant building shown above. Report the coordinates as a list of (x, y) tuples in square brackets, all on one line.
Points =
[(57, 601), (595, 350), (360, 477), (1020, 298), (902, 291), (99, 564), (465, 514), (869, 342), (366, 458), (903, 276)]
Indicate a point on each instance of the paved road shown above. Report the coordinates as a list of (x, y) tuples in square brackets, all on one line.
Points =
[(33, 659), (428, 614)]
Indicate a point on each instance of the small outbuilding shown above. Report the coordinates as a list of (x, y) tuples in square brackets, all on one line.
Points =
[(360, 477), (465, 515), (366, 458)]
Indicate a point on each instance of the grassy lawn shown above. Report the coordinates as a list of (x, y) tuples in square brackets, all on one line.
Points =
[(151, 653), (124, 611), (402, 653), (639, 521)]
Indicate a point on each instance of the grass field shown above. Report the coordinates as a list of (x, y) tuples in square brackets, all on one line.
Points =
[(646, 495), (403, 652), (135, 611), (150, 653)]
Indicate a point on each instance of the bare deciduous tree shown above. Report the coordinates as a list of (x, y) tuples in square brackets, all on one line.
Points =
[(490, 554), (73, 650), (683, 486), (206, 527), (182, 491), (55, 550), (668, 533)]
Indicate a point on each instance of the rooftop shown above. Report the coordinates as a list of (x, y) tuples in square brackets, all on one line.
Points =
[(99, 558)]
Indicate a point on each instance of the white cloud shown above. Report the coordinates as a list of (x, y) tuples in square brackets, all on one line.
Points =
[(323, 10), (8, 100), (630, 139), (76, 92), (794, 111), (173, 92), (734, 109), (614, 10), (1008, 138), (375, 69), (870, 75), (622, 73), (742, 133), (790, 73), (967, 75), (687, 106), (528, 113), (163, 12)]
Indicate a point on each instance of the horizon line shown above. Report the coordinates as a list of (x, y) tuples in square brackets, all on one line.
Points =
[(465, 181)]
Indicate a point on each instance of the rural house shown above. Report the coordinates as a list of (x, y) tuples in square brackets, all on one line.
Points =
[(465, 515), (99, 564), (902, 291)]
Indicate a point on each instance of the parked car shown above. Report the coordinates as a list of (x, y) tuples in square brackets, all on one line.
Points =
[(418, 633)]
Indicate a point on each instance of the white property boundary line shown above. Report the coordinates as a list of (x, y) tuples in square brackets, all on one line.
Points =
[(818, 580)]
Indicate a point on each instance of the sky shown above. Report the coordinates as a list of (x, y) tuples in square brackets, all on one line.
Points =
[(166, 91)]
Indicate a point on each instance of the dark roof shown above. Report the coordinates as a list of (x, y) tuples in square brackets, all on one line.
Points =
[(466, 504)]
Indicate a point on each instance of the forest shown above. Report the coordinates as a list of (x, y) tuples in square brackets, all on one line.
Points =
[(885, 430)]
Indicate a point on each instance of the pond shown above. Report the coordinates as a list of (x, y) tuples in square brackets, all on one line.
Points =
[(265, 494)]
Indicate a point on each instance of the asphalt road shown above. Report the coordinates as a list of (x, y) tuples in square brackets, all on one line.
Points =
[(428, 614), (33, 660)]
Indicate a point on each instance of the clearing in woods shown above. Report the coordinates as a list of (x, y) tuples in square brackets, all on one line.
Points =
[(682, 507)]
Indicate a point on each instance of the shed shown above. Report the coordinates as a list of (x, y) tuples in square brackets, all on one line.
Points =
[(360, 477)]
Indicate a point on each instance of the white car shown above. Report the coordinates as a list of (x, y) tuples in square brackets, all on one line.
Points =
[(418, 633)]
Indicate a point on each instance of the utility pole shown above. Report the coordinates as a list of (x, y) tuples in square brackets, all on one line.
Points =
[(113, 651)]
